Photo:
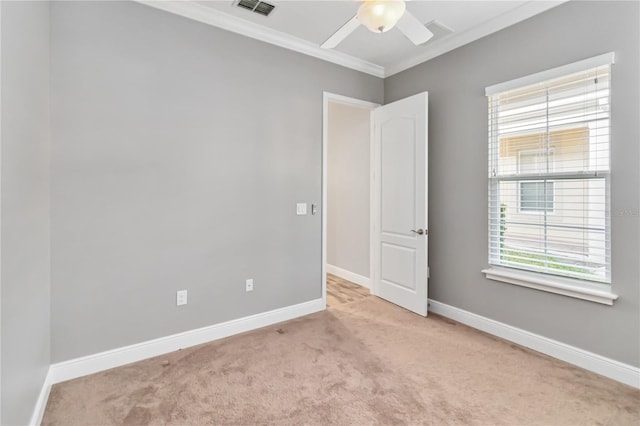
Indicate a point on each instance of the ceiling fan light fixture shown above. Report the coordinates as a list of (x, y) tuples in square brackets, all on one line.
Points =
[(381, 15)]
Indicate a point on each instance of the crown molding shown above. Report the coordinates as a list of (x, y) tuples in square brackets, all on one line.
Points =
[(525, 11), (225, 21), (214, 17)]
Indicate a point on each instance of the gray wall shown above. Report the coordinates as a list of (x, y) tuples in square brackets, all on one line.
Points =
[(348, 189), (180, 151), (25, 264), (458, 171)]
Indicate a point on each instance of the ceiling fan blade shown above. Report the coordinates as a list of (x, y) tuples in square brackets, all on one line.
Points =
[(341, 34), (413, 29)]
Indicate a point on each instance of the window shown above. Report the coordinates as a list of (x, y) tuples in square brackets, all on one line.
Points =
[(549, 172), (536, 197)]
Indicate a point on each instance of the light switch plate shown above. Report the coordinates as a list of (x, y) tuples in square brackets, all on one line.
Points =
[(181, 297), (301, 209)]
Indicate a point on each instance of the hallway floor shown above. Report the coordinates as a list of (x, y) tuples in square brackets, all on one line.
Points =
[(341, 291)]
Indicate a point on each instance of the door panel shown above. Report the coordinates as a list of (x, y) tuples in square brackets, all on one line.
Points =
[(399, 255), (398, 184), (398, 266)]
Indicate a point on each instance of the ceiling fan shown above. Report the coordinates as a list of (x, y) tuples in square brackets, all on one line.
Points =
[(380, 16)]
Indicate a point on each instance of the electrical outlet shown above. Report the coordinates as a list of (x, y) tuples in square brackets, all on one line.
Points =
[(181, 297), (249, 285), (301, 209)]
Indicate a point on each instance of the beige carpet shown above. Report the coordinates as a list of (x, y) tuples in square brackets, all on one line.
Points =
[(367, 362)]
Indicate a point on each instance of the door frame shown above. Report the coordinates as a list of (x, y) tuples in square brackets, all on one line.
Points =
[(328, 97), (0, 196)]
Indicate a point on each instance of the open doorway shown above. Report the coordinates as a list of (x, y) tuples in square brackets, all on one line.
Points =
[(347, 137), (396, 211)]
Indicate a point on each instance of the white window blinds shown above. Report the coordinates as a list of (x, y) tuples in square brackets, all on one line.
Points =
[(549, 174)]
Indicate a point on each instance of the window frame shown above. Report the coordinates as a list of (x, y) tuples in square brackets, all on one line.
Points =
[(569, 286)]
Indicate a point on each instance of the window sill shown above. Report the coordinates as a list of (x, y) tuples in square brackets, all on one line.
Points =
[(598, 293)]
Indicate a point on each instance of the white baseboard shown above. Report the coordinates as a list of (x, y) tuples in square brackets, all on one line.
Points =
[(613, 369), (41, 403), (90, 364), (349, 276)]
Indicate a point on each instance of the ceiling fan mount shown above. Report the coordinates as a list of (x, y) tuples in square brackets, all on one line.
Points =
[(380, 16)]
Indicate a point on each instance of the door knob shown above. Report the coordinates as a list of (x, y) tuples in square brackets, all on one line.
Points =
[(419, 231)]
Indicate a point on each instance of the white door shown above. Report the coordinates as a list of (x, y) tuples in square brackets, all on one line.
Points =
[(399, 217)]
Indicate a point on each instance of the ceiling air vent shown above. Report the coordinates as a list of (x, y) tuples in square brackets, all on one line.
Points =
[(438, 29), (256, 6)]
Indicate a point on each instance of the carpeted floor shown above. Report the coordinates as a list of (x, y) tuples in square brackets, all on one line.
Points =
[(366, 362)]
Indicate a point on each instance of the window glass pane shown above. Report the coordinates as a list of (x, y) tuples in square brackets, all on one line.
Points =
[(571, 240), (568, 117)]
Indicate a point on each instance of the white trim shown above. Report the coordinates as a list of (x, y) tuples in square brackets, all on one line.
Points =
[(1, 3), (41, 403), (353, 102), (325, 142), (374, 209), (594, 292), (585, 64), (361, 280), (344, 100), (599, 364), (453, 41), (217, 18), (90, 364)]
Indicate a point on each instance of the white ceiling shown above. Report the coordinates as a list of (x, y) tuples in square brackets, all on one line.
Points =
[(304, 25)]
